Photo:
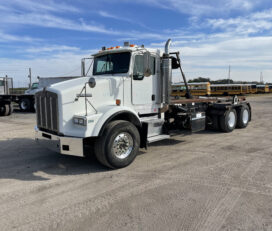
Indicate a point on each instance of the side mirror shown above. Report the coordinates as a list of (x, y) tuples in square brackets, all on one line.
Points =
[(175, 63), (92, 82), (147, 64)]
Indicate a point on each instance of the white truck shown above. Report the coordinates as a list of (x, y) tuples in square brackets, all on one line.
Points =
[(125, 104), (26, 100)]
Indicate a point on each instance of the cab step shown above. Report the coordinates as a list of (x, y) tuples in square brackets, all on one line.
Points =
[(157, 138)]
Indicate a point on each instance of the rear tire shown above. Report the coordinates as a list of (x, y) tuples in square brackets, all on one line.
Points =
[(25, 104), (119, 144), (2, 110), (243, 116), (228, 120), (10, 109), (6, 110)]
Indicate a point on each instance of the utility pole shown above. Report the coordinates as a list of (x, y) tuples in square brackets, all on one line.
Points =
[(30, 77), (261, 77), (229, 76)]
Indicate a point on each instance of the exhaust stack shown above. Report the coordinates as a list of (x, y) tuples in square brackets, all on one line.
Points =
[(166, 74), (167, 45)]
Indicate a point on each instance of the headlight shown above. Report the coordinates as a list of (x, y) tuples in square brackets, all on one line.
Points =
[(80, 121)]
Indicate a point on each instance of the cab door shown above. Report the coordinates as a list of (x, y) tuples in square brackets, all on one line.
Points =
[(144, 88)]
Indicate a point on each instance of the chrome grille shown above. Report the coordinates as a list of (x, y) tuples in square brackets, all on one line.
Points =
[(47, 110)]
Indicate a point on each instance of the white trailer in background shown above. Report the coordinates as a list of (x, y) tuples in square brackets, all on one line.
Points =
[(25, 101), (125, 104)]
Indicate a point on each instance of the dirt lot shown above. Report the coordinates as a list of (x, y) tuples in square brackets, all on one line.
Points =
[(208, 181)]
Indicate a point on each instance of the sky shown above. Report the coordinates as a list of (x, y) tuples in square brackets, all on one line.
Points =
[(52, 36)]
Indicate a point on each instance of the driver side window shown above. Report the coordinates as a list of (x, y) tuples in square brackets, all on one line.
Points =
[(138, 71), (104, 66)]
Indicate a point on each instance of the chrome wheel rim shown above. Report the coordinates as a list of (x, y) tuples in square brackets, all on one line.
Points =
[(245, 116), (231, 119), (122, 145)]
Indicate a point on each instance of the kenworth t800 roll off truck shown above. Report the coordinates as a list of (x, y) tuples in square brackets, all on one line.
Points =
[(125, 104)]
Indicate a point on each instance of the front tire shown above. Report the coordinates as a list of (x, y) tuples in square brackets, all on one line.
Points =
[(25, 104), (228, 120), (119, 144)]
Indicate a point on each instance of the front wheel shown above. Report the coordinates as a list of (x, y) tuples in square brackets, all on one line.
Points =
[(25, 104), (119, 144)]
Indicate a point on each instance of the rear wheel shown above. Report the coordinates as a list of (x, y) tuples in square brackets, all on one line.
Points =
[(228, 121), (10, 109), (119, 144), (6, 110), (2, 110), (25, 104), (243, 116)]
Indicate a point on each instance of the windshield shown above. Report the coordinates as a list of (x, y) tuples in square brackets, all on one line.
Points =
[(111, 63), (35, 85)]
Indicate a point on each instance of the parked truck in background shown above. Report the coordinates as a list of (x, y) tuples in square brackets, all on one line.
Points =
[(125, 104), (8, 96), (26, 100)]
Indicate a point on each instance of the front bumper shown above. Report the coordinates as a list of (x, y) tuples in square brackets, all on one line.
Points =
[(63, 145)]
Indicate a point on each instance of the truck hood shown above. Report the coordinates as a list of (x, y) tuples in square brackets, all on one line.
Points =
[(104, 94)]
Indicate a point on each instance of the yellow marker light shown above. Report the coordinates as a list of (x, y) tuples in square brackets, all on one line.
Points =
[(132, 45)]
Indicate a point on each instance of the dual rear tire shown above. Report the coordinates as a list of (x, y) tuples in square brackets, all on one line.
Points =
[(6, 109), (238, 117)]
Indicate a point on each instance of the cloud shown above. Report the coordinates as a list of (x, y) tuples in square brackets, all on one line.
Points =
[(37, 6), (253, 23), (51, 48), (108, 15), (211, 58), (241, 4), (200, 8), (51, 21), (210, 42), (4, 37), (63, 63)]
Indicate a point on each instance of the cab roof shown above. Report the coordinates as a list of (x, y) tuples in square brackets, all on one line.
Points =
[(129, 48)]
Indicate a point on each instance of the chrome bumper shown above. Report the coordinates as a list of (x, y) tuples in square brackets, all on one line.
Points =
[(63, 145)]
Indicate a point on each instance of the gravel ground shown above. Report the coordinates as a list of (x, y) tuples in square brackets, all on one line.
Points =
[(208, 181)]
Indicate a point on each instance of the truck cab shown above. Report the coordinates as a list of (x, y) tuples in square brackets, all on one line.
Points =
[(123, 105), (33, 89)]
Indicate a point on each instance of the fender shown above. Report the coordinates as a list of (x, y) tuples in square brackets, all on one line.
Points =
[(116, 112)]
